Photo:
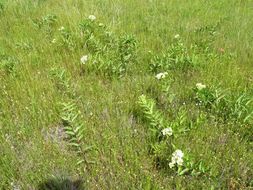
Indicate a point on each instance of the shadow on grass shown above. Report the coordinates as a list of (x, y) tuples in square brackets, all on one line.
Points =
[(61, 184)]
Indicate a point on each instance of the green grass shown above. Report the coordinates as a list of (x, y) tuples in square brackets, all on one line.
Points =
[(38, 76)]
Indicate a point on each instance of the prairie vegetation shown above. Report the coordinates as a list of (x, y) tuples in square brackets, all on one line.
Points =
[(126, 94)]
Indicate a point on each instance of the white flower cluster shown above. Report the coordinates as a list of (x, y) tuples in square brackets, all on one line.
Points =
[(62, 28), (177, 158), (200, 86), (84, 59), (92, 17), (177, 36), (54, 41), (161, 75), (167, 131)]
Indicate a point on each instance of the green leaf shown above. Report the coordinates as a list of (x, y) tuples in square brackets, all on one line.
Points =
[(70, 133), (88, 148), (183, 171), (80, 162), (74, 144), (91, 162)]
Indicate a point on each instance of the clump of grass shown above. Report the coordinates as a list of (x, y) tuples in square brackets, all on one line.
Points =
[(61, 79), (1, 7), (8, 63), (97, 66), (46, 24), (177, 57), (47, 20), (227, 107)]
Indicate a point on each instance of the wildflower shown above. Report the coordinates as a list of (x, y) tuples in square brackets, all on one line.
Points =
[(167, 131), (177, 36), (177, 158), (161, 75), (54, 41), (62, 28), (200, 86), (14, 186), (84, 59), (92, 17)]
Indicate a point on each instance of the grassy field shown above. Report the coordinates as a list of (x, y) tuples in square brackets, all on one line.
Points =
[(126, 94)]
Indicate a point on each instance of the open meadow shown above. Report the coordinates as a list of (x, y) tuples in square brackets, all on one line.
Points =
[(126, 94)]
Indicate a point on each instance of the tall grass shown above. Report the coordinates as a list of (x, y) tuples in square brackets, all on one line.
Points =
[(128, 44)]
